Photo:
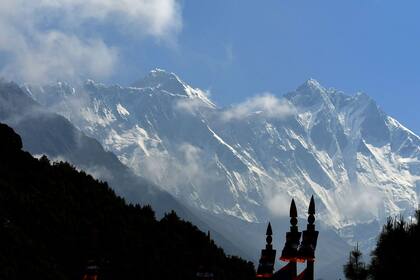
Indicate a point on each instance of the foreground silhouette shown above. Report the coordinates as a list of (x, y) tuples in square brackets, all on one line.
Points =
[(59, 223), (294, 250), (396, 256), (355, 269)]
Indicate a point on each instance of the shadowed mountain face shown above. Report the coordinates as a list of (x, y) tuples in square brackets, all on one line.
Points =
[(54, 219)]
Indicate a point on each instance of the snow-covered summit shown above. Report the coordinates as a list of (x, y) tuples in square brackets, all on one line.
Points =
[(312, 84), (161, 79), (169, 82)]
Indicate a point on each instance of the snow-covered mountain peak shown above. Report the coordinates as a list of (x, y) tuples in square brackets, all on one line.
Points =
[(157, 75), (362, 96), (168, 82), (161, 80), (313, 84), (311, 94), (313, 97)]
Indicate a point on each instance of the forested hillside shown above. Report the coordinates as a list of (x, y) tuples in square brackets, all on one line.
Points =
[(54, 219)]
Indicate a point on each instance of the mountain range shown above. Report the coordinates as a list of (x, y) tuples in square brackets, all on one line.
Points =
[(237, 167), (246, 160)]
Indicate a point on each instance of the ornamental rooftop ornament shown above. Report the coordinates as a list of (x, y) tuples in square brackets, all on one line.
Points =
[(310, 235), (290, 250), (294, 250), (268, 256)]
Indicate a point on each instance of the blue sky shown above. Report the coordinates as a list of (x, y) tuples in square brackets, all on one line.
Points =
[(236, 49)]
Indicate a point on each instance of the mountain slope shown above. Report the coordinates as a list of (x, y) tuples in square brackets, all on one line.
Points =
[(54, 219), (331, 144), (46, 133), (248, 160), (160, 140)]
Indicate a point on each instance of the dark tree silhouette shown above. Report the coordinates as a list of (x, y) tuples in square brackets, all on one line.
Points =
[(355, 269), (54, 220), (397, 253)]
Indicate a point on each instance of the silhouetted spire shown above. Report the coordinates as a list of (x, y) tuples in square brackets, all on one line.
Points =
[(269, 230), (293, 210), (293, 217), (310, 235), (268, 255), (311, 209), (289, 252), (311, 217), (269, 239)]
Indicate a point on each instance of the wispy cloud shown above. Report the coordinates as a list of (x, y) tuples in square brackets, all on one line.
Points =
[(279, 205), (55, 39), (266, 105), (194, 105), (190, 105), (230, 56), (361, 202), (169, 171)]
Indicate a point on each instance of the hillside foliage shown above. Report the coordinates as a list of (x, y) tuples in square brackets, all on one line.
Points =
[(396, 255), (54, 219)]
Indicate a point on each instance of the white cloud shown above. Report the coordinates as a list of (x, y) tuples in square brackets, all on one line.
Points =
[(361, 202), (266, 105), (185, 167), (54, 39), (153, 17), (279, 205), (191, 105), (56, 55)]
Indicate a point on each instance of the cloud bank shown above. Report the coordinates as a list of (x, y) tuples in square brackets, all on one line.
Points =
[(193, 105), (44, 40), (267, 105), (187, 167)]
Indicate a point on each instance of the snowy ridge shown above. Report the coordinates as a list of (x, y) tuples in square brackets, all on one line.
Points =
[(362, 164)]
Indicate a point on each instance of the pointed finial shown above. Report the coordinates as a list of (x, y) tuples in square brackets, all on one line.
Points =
[(289, 252), (269, 230), (269, 239), (268, 255), (310, 236), (293, 210), (293, 216), (208, 235), (311, 209), (311, 212)]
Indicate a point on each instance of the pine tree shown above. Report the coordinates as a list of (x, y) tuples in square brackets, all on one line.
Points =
[(355, 269), (56, 223), (397, 252)]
